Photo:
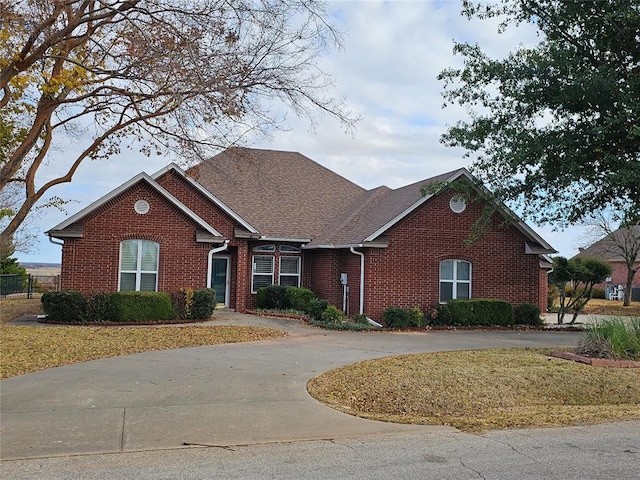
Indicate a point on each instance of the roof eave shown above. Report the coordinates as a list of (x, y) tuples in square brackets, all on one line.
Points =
[(126, 185)]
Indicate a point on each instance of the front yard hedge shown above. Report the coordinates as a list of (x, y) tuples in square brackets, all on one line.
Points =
[(64, 306), (140, 307), (474, 312)]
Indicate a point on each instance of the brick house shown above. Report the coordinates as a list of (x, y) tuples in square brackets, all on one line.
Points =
[(247, 218), (613, 248)]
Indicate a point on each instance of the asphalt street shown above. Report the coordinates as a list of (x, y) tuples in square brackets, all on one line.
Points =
[(242, 411)]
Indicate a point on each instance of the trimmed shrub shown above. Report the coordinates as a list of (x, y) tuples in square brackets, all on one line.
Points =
[(488, 311), (98, 307), (395, 317), (140, 307), (64, 306), (204, 303), (331, 314), (299, 298), (527, 314), (473, 312), (461, 312), (598, 293), (272, 297), (317, 308)]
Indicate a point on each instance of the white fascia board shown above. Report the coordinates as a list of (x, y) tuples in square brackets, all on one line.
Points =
[(206, 193), (114, 193)]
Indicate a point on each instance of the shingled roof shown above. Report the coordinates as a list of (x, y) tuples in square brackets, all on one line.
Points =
[(367, 218), (612, 246), (287, 196), (284, 195)]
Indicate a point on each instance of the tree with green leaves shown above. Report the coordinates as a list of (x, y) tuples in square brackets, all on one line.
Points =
[(554, 127), (580, 274), (80, 78)]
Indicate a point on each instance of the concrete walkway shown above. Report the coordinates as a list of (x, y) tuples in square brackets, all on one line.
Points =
[(237, 394)]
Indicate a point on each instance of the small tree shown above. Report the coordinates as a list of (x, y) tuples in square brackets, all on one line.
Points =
[(582, 274)]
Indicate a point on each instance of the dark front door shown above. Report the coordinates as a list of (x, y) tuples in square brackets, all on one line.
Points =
[(220, 279)]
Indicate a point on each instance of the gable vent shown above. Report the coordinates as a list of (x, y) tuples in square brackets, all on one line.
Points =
[(457, 204)]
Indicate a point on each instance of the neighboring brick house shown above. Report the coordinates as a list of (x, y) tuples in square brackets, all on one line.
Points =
[(248, 218), (613, 248)]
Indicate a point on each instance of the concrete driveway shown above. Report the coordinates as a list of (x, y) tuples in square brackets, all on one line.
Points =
[(238, 394)]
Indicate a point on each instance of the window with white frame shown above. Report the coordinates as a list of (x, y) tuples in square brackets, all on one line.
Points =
[(455, 280), (289, 271), (262, 272), (139, 265)]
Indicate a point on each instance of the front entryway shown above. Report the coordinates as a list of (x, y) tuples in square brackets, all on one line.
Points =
[(220, 276)]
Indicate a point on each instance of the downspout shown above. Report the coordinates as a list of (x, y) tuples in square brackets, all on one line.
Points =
[(353, 250), (211, 254), (361, 255)]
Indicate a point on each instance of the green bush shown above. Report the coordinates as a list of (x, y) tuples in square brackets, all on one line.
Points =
[(473, 312), (333, 319), (598, 293), (317, 308), (272, 297), (527, 314), (395, 317), (64, 306), (488, 311), (98, 307), (140, 307), (331, 314), (461, 312), (299, 298), (204, 303)]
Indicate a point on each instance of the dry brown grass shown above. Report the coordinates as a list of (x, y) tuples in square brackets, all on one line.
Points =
[(28, 349), (597, 306), (15, 307), (479, 390)]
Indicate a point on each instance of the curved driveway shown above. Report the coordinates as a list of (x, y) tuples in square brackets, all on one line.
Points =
[(235, 394)]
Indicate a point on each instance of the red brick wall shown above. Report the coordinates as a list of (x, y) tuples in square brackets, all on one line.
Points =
[(406, 273), (91, 263), (619, 275)]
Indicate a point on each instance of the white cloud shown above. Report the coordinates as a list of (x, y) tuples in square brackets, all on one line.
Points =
[(393, 52)]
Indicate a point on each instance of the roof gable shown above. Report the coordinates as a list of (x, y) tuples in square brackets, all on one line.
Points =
[(63, 229), (380, 209)]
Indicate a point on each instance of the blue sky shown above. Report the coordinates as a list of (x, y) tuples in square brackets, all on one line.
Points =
[(386, 71)]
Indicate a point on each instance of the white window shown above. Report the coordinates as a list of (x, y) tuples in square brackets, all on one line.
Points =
[(262, 272), (455, 280), (289, 271), (139, 265)]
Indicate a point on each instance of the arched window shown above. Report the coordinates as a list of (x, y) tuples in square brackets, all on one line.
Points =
[(455, 280), (139, 265)]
